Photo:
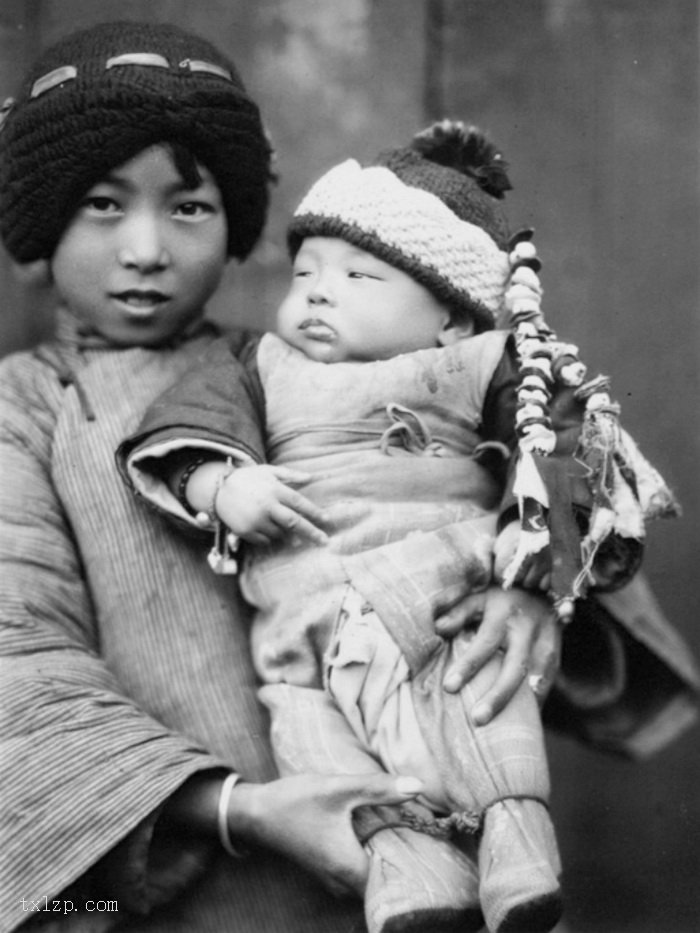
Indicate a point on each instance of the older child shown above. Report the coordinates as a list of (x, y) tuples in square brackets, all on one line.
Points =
[(133, 163), (400, 270)]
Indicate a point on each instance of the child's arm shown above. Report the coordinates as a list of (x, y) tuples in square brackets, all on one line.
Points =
[(214, 413), (306, 817)]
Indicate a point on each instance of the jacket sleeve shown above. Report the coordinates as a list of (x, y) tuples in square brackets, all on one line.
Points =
[(628, 683), (84, 771), (216, 409)]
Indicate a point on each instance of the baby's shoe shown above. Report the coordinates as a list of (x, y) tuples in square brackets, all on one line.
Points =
[(417, 883), (519, 868)]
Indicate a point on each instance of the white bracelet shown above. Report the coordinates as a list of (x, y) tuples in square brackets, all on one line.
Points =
[(208, 518), (222, 815)]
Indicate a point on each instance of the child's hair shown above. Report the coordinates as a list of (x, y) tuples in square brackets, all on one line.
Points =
[(100, 96), (430, 209)]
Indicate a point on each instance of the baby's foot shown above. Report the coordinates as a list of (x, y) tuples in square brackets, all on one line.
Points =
[(519, 866), (417, 883)]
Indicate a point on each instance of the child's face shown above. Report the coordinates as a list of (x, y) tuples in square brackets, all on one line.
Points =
[(344, 304), (142, 254)]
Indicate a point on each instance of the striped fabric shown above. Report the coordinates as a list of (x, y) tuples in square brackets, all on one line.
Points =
[(123, 669)]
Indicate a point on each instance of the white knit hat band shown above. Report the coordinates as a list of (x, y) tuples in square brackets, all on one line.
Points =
[(414, 223)]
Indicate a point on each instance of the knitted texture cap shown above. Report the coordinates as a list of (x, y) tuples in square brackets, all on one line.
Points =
[(96, 99), (430, 209)]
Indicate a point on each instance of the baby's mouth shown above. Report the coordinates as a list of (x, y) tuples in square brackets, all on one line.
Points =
[(317, 329)]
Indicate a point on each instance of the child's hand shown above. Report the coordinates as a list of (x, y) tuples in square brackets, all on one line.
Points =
[(535, 573), (522, 626), (308, 818), (258, 504)]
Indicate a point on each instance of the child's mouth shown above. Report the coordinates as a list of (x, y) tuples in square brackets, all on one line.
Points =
[(141, 302)]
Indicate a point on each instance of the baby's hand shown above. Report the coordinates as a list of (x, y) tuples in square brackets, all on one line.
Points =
[(535, 573), (258, 504)]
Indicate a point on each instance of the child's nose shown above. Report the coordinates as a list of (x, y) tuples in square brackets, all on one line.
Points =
[(143, 247)]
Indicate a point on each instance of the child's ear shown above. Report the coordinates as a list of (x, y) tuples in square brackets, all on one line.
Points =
[(35, 274), (452, 331)]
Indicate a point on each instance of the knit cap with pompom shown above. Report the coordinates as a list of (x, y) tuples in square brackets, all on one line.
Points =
[(431, 209), (100, 96)]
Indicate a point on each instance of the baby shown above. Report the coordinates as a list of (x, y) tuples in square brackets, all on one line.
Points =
[(387, 393)]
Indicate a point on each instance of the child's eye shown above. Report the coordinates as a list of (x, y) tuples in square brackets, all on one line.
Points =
[(361, 275), (301, 273), (194, 210), (100, 204)]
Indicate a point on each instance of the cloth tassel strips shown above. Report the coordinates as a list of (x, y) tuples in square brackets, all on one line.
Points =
[(625, 489)]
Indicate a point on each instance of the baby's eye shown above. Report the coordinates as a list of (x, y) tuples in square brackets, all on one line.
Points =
[(301, 273), (355, 274)]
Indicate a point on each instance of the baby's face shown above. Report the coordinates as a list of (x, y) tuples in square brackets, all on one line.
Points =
[(143, 253), (344, 305)]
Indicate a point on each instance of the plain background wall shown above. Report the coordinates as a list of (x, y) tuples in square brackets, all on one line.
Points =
[(595, 105)]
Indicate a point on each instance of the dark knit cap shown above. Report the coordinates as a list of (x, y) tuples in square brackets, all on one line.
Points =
[(96, 99), (432, 209)]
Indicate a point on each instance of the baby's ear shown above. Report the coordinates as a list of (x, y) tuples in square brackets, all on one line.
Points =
[(452, 331)]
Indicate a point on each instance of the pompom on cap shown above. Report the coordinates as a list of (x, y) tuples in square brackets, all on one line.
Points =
[(467, 150), (459, 164)]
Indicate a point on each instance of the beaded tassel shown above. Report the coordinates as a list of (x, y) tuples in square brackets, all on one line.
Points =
[(625, 488), (543, 360)]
